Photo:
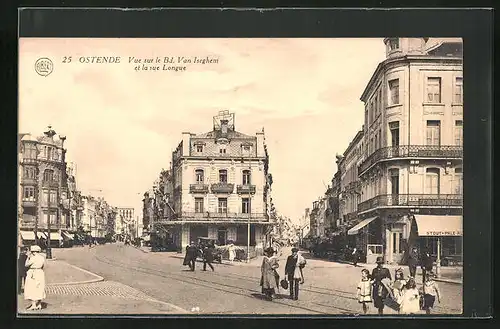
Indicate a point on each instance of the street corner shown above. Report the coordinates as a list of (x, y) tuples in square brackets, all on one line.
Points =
[(59, 272)]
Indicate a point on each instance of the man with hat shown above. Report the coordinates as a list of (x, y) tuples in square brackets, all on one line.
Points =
[(380, 275), (21, 268), (293, 271), (413, 261)]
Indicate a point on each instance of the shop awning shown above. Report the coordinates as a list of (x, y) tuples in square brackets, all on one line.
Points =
[(41, 235), (355, 230), (54, 236), (67, 235), (431, 225), (27, 235)]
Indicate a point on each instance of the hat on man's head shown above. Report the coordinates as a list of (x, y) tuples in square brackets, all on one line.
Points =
[(35, 249), (380, 260), (269, 250), (295, 249)]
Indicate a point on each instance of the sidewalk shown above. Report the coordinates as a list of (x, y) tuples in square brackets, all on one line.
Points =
[(61, 273)]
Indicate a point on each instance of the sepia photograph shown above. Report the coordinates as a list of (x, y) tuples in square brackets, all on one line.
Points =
[(240, 176)]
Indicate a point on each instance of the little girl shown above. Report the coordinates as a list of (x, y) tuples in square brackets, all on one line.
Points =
[(431, 291), (365, 290), (410, 302), (399, 285)]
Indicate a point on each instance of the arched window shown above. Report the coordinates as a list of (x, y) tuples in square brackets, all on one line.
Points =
[(199, 176), (48, 175), (432, 181), (247, 177), (223, 176)]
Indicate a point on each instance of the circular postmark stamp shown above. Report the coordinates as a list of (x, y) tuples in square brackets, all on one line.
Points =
[(44, 66)]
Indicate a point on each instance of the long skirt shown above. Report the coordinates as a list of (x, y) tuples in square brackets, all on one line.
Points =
[(34, 286)]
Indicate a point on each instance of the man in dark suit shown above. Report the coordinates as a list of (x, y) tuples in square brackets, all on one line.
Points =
[(380, 290), (426, 265), (192, 254), (291, 272), (208, 256), (413, 261), (21, 268)]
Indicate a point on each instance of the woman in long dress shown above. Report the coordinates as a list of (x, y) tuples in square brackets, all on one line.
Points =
[(34, 288), (232, 252), (269, 277)]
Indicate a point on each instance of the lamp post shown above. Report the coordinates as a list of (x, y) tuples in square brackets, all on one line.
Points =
[(49, 249)]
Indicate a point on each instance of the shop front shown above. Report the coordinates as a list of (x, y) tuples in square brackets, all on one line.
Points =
[(367, 238), (441, 235)]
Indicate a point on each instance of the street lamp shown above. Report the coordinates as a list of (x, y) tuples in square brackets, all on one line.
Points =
[(49, 249)]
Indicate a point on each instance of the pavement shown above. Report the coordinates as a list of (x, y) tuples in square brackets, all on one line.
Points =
[(136, 281), (73, 290)]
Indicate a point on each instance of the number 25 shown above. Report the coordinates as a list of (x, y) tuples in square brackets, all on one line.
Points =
[(67, 59)]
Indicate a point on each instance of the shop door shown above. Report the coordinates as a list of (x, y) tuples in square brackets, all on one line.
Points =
[(397, 246), (222, 237)]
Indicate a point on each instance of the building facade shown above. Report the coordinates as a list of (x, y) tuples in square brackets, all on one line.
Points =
[(125, 215), (221, 187), (43, 182), (410, 170)]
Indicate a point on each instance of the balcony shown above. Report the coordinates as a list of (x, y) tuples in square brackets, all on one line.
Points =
[(224, 188), (245, 189), (25, 161), (411, 201), (216, 216), (412, 151), (29, 203), (28, 181), (198, 188), (52, 184)]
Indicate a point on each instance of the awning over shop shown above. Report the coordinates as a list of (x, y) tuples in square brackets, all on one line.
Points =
[(41, 235), (355, 230), (27, 235), (431, 225), (54, 236), (67, 235)]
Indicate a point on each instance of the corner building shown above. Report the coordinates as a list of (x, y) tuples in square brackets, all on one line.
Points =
[(411, 167), (221, 187)]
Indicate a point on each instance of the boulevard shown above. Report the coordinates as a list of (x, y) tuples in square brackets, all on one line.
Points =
[(329, 287)]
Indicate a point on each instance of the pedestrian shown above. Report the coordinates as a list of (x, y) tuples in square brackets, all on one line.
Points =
[(426, 265), (364, 291), (21, 269), (355, 257), (380, 290), (293, 272), (34, 288), (269, 279), (410, 302), (192, 254), (399, 285), (431, 291), (413, 261), (232, 252), (208, 256)]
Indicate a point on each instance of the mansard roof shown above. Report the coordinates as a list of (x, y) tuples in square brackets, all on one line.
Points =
[(230, 135)]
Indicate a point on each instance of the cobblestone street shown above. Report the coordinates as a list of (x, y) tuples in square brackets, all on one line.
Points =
[(134, 277)]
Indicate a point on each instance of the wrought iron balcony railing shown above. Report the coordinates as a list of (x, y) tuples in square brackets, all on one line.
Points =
[(29, 161), (28, 203), (222, 188), (52, 183), (198, 188), (412, 151), (412, 200), (210, 216), (245, 189)]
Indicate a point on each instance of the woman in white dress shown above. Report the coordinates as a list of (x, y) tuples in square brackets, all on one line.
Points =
[(34, 288), (232, 252)]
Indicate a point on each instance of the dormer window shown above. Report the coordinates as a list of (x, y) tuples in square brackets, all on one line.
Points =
[(199, 148), (222, 149), (393, 44)]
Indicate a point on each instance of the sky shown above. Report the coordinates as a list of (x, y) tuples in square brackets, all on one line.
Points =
[(122, 124)]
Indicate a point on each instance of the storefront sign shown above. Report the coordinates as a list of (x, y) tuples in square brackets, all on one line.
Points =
[(442, 233)]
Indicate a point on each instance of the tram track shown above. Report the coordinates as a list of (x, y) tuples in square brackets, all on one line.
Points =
[(200, 282)]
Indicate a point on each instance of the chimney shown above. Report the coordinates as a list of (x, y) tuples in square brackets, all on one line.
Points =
[(260, 144), (186, 139)]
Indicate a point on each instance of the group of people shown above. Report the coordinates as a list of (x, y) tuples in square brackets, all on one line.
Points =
[(30, 271), (378, 288), (207, 254), (293, 276)]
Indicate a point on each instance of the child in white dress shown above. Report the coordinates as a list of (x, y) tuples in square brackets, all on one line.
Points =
[(364, 291), (410, 302)]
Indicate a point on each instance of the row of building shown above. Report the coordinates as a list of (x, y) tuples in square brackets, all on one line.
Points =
[(399, 183), (49, 200), (218, 186)]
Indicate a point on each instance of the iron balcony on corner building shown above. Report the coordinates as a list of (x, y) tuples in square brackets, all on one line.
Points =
[(223, 188), (198, 188), (245, 189), (412, 151), (222, 216), (411, 200)]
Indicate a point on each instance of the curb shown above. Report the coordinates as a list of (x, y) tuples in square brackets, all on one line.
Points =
[(97, 279), (139, 248)]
